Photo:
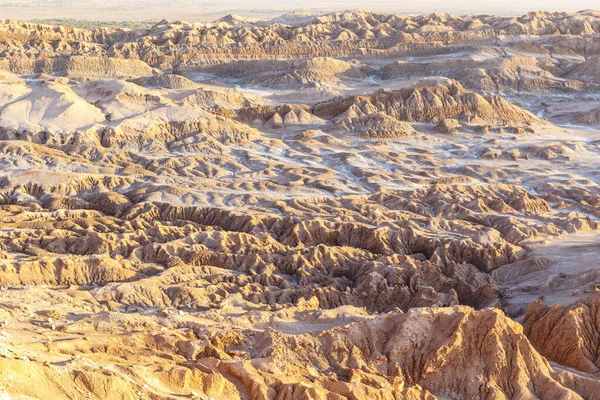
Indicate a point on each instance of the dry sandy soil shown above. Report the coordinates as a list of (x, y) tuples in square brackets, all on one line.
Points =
[(349, 206)]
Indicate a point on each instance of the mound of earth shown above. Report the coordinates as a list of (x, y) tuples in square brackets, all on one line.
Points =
[(168, 81)]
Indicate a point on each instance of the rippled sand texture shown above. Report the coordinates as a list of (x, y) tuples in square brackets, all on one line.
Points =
[(347, 206)]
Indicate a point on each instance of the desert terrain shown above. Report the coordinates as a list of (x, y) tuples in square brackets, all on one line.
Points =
[(353, 205), (130, 11)]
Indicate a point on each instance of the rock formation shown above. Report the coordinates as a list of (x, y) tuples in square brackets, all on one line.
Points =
[(346, 206)]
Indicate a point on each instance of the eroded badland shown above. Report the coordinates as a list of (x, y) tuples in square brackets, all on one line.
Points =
[(347, 206)]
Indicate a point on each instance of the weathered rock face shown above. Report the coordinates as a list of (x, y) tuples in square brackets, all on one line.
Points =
[(487, 70), (397, 356), (250, 286), (315, 72), (168, 81), (186, 47), (448, 125), (285, 259), (424, 354), (373, 125), (338, 34), (433, 104), (587, 71), (566, 335), (78, 66)]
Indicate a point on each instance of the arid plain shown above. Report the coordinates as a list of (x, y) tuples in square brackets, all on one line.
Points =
[(355, 205)]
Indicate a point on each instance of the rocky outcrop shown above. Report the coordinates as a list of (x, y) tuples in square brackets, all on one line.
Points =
[(78, 66), (566, 335), (587, 71), (448, 125), (339, 34), (315, 72), (423, 354), (168, 81), (433, 104), (373, 126)]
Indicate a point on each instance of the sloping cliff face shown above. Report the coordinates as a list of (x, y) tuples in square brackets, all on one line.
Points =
[(567, 335), (423, 354)]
